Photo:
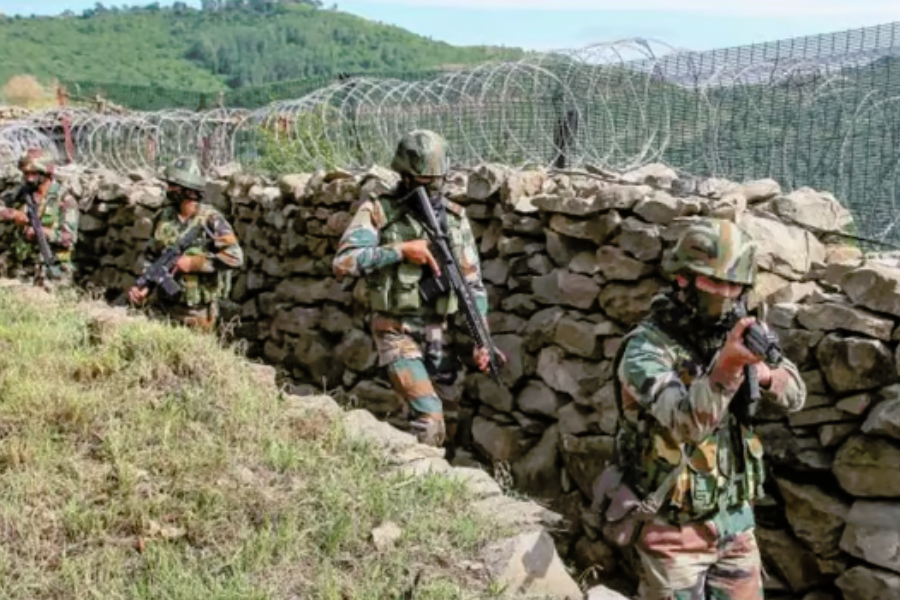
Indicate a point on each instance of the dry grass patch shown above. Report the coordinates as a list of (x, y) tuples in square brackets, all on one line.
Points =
[(148, 463)]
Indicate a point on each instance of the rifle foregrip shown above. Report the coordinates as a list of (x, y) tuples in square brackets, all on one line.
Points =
[(752, 383)]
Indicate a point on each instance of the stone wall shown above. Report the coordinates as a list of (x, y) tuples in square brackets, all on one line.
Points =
[(571, 261)]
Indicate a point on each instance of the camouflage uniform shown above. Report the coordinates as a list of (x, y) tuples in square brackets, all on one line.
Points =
[(412, 337), (214, 254), (679, 408), (59, 215)]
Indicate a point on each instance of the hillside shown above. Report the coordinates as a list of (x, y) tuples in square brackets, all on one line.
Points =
[(143, 461), (216, 49)]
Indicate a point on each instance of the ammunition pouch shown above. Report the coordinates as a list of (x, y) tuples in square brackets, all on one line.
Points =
[(432, 287), (623, 513)]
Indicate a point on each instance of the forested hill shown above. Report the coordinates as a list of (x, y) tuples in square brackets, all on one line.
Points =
[(226, 44)]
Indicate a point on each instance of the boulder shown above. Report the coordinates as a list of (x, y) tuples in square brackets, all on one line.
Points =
[(816, 517), (829, 316), (628, 303), (874, 287), (786, 250), (867, 583), (537, 472), (873, 533), (585, 457), (818, 211), (561, 286), (868, 467), (853, 364)]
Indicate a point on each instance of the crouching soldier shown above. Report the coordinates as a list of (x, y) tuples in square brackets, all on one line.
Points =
[(203, 270)]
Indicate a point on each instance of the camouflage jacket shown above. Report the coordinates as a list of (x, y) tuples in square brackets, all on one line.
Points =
[(60, 216), (369, 247), (675, 406), (217, 253)]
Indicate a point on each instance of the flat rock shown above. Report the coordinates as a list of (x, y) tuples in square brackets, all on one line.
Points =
[(790, 560), (874, 287), (873, 533), (640, 240), (855, 364), (537, 398), (868, 467), (819, 211), (564, 287), (884, 419), (529, 566), (629, 303), (786, 250), (867, 583), (828, 317), (816, 517), (585, 457)]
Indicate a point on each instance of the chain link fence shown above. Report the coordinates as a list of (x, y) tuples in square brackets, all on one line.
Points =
[(819, 111)]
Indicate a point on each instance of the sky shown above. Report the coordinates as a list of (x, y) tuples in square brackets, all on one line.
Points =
[(565, 24)]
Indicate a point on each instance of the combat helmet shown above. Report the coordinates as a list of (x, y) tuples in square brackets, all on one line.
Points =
[(421, 153), (185, 171), (38, 160), (716, 248)]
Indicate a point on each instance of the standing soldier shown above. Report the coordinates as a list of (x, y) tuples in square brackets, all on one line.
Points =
[(58, 214), (387, 244), (204, 269), (685, 444)]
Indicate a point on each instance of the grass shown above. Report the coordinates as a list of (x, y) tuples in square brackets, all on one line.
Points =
[(143, 461)]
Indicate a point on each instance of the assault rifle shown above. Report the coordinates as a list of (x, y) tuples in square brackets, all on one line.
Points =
[(160, 272), (761, 343), (452, 279), (47, 257)]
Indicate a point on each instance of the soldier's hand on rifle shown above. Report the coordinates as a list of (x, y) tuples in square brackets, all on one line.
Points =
[(29, 232), (763, 374), (16, 216), (136, 294), (183, 264), (734, 354), (482, 358), (417, 252)]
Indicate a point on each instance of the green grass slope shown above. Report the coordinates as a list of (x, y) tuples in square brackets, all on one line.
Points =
[(214, 50), (142, 461)]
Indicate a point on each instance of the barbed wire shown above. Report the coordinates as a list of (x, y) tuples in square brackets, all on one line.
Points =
[(802, 111)]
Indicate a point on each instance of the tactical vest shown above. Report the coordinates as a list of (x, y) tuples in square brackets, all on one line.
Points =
[(395, 289), (716, 475), (198, 288), (50, 210)]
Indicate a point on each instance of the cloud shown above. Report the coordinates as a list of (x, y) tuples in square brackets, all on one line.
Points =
[(887, 9)]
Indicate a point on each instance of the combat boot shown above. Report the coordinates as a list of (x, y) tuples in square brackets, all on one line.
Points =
[(430, 429)]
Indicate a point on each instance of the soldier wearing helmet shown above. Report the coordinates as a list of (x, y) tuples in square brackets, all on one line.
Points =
[(683, 455), (204, 269), (386, 244), (58, 212)]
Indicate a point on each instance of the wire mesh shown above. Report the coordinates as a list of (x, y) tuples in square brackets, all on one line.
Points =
[(819, 111)]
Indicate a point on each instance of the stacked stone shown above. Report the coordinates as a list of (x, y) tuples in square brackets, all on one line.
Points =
[(836, 462), (571, 262)]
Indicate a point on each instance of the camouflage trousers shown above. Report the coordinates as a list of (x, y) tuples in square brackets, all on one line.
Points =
[(201, 317), (421, 366), (717, 559)]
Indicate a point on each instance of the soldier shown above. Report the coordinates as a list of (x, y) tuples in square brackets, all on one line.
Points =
[(204, 269), (682, 400), (386, 243), (59, 216)]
